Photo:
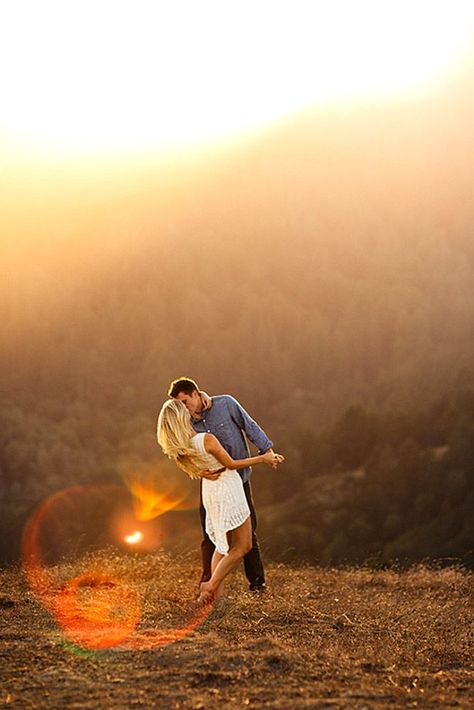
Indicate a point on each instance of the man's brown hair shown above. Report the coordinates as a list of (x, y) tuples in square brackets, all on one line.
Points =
[(184, 384)]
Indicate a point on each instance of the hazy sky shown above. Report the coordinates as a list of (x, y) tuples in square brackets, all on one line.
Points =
[(126, 76), (101, 98)]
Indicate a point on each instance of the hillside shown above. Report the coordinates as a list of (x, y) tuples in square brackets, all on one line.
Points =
[(327, 254), (320, 271), (340, 638)]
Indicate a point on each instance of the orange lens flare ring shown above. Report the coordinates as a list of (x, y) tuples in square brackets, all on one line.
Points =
[(95, 610)]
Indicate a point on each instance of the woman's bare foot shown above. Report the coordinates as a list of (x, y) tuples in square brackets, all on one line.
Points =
[(206, 595)]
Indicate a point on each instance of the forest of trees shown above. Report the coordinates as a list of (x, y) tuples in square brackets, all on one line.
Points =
[(401, 484), (323, 274), (402, 488)]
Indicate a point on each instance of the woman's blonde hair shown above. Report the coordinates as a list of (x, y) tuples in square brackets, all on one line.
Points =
[(174, 432)]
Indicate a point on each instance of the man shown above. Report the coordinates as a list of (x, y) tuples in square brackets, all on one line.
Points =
[(224, 417)]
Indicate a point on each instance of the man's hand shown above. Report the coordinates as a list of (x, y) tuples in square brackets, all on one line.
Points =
[(210, 475), (273, 459)]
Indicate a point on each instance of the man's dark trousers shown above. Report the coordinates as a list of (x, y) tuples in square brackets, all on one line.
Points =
[(252, 561)]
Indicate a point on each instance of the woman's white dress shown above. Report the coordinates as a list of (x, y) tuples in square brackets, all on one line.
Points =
[(224, 499)]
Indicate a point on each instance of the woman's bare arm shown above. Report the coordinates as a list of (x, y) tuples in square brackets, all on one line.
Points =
[(214, 447)]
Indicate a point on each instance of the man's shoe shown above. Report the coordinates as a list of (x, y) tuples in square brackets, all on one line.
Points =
[(258, 587)]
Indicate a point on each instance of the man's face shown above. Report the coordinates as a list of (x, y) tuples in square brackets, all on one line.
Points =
[(192, 402)]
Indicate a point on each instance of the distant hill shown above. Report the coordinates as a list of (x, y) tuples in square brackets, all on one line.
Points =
[(323, 264), (330, 256)]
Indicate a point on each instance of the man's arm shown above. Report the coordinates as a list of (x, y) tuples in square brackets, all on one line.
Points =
[(244, 421)]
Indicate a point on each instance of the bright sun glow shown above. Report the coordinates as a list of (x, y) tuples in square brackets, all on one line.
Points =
[(124, 76), (134, 537)]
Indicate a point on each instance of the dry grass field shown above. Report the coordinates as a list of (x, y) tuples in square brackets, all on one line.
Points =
[(317, 638)]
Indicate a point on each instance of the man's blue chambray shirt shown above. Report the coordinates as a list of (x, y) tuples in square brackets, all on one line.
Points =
[(226, 419)]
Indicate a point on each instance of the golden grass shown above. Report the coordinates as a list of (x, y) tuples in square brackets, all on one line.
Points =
[(339, 638)]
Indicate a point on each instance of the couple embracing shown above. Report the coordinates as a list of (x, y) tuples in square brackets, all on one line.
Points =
[(206, 437)]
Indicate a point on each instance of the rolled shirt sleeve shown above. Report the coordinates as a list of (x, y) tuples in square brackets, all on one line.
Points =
[(245, 422)]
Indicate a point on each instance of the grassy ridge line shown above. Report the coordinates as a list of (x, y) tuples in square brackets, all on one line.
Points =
[(317, 638)]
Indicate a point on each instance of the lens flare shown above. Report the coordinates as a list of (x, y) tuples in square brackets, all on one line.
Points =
[(148, 536), (134, 537), (96, 609), (157, 488), (149, 502), (146, 639)]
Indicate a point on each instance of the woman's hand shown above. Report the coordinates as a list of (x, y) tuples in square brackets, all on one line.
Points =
[(272, 459)]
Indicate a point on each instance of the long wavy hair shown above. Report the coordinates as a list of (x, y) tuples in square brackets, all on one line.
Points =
[(174, 433)]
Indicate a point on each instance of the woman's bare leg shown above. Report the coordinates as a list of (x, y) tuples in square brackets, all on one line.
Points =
[(240, 545), (216, 558), (206, 595)]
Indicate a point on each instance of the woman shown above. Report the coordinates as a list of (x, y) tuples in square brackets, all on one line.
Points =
[(227, 513)]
